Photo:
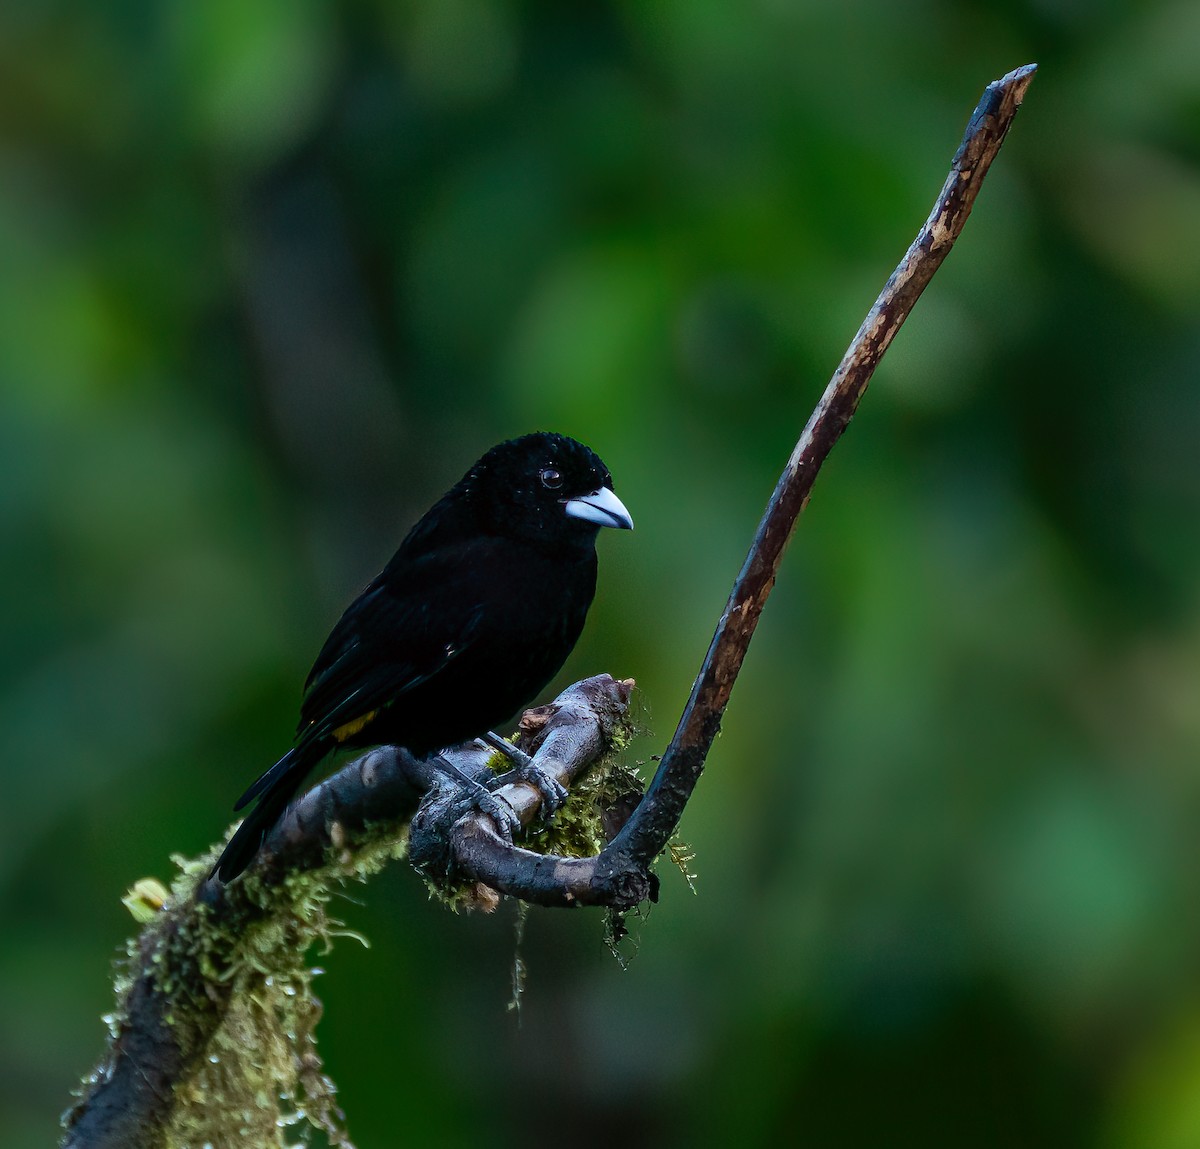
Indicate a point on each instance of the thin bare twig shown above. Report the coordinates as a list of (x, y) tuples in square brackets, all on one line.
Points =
[(646, 834)]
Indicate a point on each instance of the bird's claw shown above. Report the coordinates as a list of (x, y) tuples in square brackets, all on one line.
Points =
[(514, 754), (497, 807), (554, 793), (480, 798), (526, 769)]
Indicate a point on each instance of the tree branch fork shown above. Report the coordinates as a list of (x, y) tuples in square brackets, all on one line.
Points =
[(449, 838)]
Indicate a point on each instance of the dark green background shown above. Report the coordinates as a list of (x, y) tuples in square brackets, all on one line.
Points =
[(273, 274)]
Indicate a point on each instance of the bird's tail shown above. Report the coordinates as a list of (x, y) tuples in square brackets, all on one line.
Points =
[(274, 791)]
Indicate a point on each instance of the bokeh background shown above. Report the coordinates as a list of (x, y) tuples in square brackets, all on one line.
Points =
[(273, 274)]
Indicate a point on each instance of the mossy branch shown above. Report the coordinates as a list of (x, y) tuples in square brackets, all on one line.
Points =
[(212, 1038)]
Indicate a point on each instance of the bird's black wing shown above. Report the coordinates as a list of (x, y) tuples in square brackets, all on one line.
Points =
[(405, 628)]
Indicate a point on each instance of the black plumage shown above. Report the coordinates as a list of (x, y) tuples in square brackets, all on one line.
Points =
[(474, 614)]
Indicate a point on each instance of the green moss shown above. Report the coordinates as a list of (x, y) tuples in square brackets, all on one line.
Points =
[(576, 830), (258, 1083), (683, 856)]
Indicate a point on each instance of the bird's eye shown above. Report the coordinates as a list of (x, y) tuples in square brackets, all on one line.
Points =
[(550, 478)]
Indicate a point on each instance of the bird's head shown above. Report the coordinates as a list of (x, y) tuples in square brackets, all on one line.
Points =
[(545, 487)]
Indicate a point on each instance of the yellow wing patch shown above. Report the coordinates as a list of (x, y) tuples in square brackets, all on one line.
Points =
[(349, 729)]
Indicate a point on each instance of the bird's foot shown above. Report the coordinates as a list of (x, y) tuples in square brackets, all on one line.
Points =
[(483, 800), (526, 769)]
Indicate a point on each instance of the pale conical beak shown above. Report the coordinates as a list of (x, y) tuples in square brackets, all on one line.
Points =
[(601, 507)]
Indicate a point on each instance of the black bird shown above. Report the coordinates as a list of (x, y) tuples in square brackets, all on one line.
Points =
[(474, 614)]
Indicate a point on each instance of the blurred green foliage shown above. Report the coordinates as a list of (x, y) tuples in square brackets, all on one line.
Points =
[(273, 274)]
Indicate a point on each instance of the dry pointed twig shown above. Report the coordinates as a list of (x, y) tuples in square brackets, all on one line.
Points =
[(647, 832)]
